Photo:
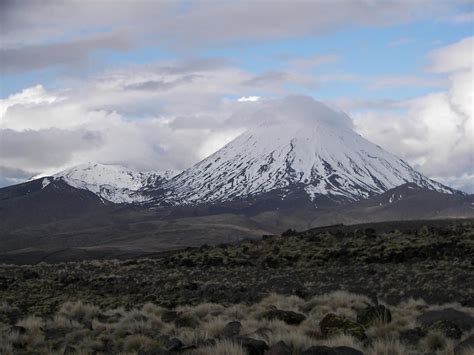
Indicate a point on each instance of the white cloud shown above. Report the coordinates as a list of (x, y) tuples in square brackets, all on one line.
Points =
[(292, 108), (35, 95), (437, 133), (455, 57), (104, 120), (155, 117), (248, 99), (217, 140)]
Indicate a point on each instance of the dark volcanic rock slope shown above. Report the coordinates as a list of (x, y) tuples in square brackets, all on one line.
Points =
[(44, 201), (405, 202)]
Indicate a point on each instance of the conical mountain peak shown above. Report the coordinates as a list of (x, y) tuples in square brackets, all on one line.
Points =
[(296, 143)]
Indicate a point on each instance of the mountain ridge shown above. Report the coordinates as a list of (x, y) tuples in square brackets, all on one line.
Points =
[(299, 152), (114, 183)]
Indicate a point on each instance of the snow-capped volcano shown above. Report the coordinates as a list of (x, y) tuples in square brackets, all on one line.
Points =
[(114, 183), (299, 144), (297, 148)]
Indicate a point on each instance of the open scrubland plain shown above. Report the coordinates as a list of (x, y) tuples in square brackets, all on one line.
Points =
[(386, 288)]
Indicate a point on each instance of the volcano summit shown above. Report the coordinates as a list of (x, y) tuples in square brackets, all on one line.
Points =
[(298, 146)]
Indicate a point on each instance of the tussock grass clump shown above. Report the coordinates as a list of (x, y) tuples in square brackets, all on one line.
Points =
[(297, 340), (291, 303), (78, 310), (389, 346), (214, 327), (204, 310), (5, 307), (31, 323), (468, 351), (435, 341), (136, 342), (62, 322), (211, 328), (342, 302), (222, 347)]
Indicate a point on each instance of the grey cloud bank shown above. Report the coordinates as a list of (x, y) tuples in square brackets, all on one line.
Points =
[(21, 59), (33, 28)]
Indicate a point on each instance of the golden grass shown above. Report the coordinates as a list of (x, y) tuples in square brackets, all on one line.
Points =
[(389, 346), (222, 347), (89, 329)]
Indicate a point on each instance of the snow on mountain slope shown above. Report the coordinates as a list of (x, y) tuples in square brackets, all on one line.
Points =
[(300, 143), (112, 182)]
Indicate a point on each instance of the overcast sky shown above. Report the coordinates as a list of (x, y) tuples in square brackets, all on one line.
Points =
[(157, 85)]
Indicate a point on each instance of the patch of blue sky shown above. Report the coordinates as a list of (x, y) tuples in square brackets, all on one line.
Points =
[(13, 83), (366, 53)]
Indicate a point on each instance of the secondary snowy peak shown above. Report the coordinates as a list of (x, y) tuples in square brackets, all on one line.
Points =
[(113, 182), (316, 150)]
